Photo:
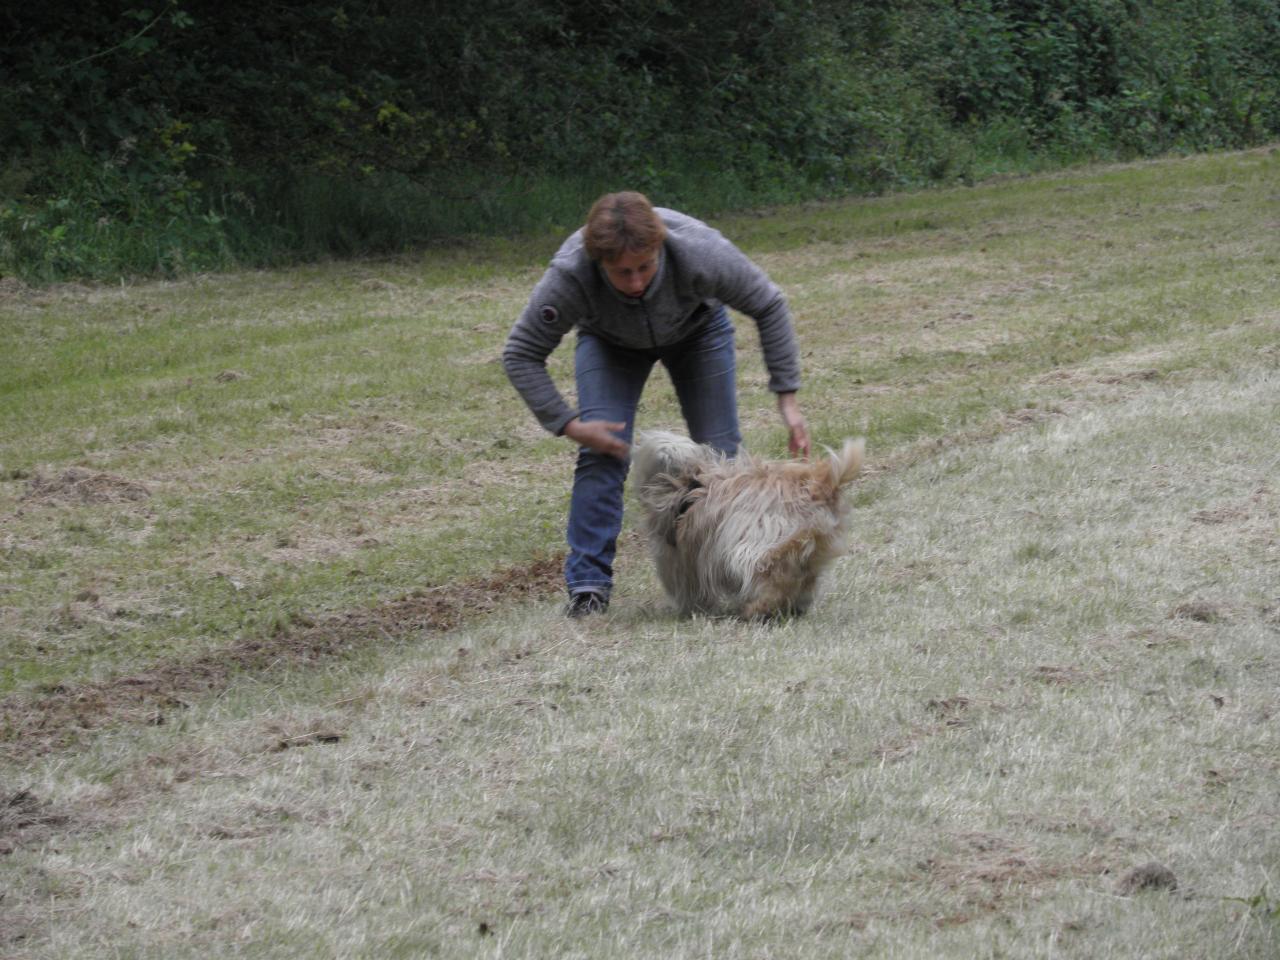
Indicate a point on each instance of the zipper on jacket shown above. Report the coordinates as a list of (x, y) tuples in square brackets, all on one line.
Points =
[(653, 338)]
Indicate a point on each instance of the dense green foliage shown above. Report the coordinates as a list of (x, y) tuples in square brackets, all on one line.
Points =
[(198, 134)]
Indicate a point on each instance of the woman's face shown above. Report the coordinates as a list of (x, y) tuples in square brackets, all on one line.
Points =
[(632, 272)]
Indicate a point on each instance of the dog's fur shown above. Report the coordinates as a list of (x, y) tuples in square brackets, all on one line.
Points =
[(744, 536)]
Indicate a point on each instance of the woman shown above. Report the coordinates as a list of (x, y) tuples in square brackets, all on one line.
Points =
[(642, 285)]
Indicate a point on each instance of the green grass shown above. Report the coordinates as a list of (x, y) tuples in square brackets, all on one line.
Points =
[(1048, 658)]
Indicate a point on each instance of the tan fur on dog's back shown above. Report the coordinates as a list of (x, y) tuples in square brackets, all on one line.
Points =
[(744, 536)]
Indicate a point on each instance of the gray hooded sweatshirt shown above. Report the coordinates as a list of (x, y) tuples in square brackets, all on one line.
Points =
[(698, 270)]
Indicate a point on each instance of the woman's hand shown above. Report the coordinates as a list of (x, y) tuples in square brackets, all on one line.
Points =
[(598, 435), (797, 428)]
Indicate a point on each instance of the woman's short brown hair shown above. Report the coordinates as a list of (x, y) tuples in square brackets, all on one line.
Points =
[(622, 223)]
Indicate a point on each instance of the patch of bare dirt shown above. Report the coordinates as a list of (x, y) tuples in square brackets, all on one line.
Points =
[(1083, 823), (952, 713), (988, 869), (1060, 676), (11, 288), (78, 485), (1259, 505), (1201, 611), (1220, 515), (308, 739), (1028, 416), (1085, 376), (25, 817), (58, 717), (1147, 876), (1129, 376)]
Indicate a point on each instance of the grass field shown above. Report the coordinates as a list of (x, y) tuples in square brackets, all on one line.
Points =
[(283, 670)]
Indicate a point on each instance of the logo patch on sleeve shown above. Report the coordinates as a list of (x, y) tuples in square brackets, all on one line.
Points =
[(548, 313)]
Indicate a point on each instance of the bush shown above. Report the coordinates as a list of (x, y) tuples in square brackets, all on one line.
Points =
[(197, 135), (99, 219)]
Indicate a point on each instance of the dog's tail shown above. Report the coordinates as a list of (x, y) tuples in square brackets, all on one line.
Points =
[(838, 469)]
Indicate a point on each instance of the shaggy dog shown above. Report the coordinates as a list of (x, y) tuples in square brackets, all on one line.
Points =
[(743, 536)]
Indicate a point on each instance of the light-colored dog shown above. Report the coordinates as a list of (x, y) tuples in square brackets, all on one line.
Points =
[(744, 536)]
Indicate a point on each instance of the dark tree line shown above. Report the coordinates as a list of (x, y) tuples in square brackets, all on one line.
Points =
[(213, 114)]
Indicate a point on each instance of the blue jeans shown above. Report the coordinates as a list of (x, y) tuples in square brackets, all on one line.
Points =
[(610, 380)]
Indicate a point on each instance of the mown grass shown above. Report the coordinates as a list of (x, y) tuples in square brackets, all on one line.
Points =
[(1048, 659), (311, 432)]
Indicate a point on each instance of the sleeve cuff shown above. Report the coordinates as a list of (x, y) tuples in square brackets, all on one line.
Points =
[(557, 425)]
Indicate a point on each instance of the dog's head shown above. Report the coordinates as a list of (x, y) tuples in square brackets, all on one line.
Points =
[(661, 452), (668, 468)]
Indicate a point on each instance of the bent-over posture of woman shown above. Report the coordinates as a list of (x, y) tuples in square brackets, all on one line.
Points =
[(642, 285)]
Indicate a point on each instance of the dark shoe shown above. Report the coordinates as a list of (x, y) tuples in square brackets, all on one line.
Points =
[(586, 603)]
